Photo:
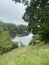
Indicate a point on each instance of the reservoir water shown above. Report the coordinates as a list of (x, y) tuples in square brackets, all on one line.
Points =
[(25, 39)]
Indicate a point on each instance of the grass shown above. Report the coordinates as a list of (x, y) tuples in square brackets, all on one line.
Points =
[(31, 55)]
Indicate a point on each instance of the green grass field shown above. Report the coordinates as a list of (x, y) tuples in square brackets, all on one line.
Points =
[(31, 55)]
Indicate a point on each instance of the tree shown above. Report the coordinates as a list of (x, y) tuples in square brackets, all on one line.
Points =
[(25, 2), (5, 42), (37, 16)]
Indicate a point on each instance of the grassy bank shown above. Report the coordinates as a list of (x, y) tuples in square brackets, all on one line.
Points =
[(31, 55)]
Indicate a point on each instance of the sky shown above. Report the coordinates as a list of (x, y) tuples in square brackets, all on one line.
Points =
[(11, 12)]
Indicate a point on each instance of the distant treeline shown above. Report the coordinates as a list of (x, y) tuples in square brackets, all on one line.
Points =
[(21, 30)]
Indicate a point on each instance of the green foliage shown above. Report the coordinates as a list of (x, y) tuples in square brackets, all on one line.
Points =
[(25, 2), (17, 1), (21, 30), (15, 45), (5, 41), (35, 40), (11, 28), (37, 15), (31, 42)]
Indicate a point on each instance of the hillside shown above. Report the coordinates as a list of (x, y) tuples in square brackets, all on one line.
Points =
[(31, 55), (13, 30)]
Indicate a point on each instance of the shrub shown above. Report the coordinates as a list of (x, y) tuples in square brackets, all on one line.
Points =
[(34, 40), (15, 45)]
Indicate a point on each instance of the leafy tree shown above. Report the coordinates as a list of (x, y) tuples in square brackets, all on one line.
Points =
[(5, 41), (37, 15), (25, 2), (17, 1)]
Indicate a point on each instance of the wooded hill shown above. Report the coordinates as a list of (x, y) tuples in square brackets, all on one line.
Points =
[(21, 30)]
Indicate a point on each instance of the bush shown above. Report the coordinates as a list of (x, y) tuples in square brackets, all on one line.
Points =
[(5, 41), (34, 40), (15, 45)]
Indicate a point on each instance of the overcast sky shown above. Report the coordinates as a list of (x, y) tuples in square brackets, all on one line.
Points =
[(11, 12)]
